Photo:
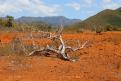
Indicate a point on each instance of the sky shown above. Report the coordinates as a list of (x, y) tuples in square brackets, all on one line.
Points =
[(74, 9)]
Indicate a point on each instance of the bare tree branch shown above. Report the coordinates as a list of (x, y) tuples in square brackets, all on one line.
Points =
[(60, 50)]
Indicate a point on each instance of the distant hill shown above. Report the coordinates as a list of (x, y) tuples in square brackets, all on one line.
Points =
[(52, 20), (105, 18)]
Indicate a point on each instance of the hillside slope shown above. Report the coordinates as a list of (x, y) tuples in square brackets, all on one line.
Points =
[(105, 18)]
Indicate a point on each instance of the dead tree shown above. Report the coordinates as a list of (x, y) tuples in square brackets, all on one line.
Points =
[(60, 50)]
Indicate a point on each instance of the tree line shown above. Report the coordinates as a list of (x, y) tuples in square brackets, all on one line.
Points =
[(10, 22)]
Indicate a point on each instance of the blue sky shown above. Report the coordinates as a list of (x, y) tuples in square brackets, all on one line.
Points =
[(80, 9)]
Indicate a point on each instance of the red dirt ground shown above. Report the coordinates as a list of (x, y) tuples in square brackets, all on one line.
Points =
[(99, 61)]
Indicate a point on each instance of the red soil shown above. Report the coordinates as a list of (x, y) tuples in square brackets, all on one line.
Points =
[(99, 61)]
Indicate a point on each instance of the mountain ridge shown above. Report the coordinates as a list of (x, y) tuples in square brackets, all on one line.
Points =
[(51, 20)]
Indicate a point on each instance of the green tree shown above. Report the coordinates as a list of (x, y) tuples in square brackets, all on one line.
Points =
[(109, 27), (10, 20)]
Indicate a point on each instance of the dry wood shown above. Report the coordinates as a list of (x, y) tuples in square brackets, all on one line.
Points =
[(60, 50)]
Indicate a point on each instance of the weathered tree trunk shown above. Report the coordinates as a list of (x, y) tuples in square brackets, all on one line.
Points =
[(60, 50)]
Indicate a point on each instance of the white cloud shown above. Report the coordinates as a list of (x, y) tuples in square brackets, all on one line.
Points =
[(74, 5), (89, 1), (33, 6), (107, 1), (110, 4)]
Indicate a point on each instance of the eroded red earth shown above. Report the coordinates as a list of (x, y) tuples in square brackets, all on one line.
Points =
[(99, 61)]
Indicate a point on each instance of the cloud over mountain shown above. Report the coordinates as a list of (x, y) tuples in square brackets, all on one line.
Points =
[(33, 6), (81, 9)]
